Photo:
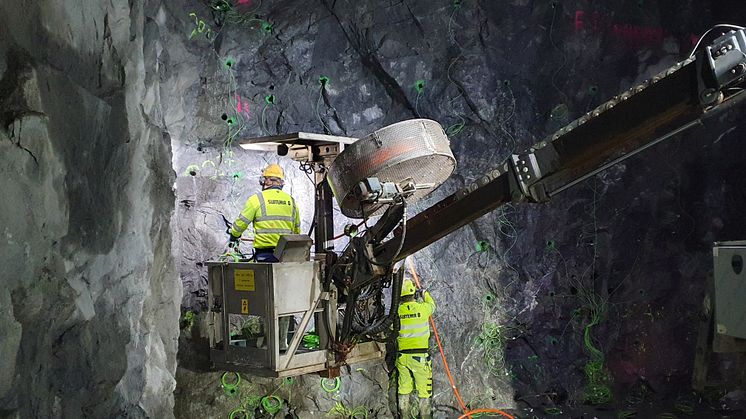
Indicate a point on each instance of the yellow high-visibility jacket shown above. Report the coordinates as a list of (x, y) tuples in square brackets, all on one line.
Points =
[(273, 213), (414, 329)]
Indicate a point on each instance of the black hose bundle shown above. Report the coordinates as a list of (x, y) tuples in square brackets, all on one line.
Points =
[(385, 323)]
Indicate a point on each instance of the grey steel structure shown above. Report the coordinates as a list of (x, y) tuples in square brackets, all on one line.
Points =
[(730, 288), (270, 291), (416, 149)]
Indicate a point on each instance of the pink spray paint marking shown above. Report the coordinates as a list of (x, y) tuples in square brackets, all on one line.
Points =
[(248, 2), (242, 108), (634, 36)]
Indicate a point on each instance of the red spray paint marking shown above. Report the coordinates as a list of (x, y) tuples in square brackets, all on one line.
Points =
[(248, 2), (242, 107), (634, 36)]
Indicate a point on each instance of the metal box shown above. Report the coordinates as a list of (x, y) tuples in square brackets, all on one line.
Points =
[(271, 291), (730, 288)]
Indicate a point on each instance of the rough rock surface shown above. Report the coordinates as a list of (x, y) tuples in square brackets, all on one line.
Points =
[(89, 297), (633, 243), (99, 100)]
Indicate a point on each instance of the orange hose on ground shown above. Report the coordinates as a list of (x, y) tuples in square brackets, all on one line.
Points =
[(467, 413), (473, 412)]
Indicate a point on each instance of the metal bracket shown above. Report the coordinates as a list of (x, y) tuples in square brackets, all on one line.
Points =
[(721, 64), (531, 167), (295, 342)]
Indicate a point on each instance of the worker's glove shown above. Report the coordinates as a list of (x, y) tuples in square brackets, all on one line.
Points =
[(419, 294), (233, 239)]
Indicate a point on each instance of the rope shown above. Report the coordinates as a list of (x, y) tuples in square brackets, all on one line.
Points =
[(467, 412)]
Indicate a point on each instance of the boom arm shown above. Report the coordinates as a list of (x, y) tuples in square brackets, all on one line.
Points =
[(673, 101)]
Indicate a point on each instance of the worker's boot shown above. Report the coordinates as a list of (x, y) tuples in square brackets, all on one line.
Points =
[(405, 410), (283, 323), (426, 409)]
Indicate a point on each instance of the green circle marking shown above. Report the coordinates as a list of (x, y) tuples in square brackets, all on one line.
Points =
[(419, 86), (225, 383), (238, 411), (267, 27), (553, 411), (359, 412), (271, 404), (323, 81), (270, 99), (488, 298), (482, 246), (334, 386), (455, 129), (559, 112)]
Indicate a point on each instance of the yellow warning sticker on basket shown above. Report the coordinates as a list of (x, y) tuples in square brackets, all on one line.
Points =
[(243, 280), (244, 306)]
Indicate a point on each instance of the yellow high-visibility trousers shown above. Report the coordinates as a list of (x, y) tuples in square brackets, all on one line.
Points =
[(415, 371)]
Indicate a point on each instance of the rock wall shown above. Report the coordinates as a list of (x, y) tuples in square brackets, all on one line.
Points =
[(89, 296), (99, 101), (622, 258)]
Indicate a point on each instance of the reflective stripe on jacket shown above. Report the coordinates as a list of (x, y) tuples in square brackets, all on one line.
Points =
[(273, 213), (414, 329)]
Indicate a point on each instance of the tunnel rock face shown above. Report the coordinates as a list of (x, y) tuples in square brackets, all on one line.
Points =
[(99, 100), (89, 296), (621, 258)]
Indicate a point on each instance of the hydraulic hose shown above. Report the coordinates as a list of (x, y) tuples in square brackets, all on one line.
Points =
[(387, 321)]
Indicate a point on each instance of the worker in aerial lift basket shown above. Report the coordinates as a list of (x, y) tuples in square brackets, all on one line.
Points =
[(413, 360), (273, 213)]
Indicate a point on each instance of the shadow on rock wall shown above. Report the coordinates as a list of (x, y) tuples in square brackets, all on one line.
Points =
[(88, 303)]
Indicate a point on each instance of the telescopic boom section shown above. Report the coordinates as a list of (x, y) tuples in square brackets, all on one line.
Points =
[(669, 103)]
